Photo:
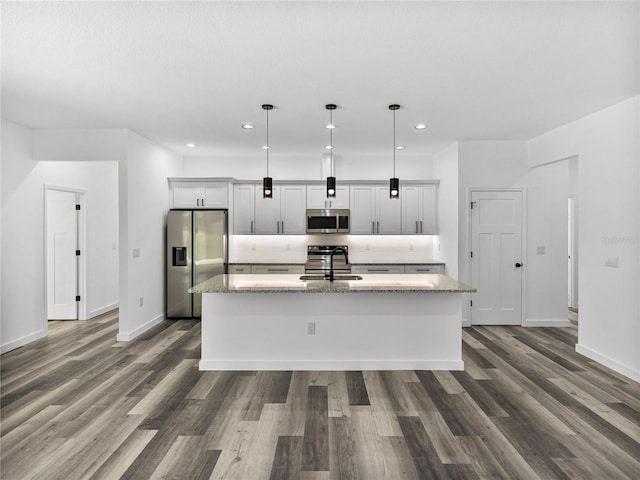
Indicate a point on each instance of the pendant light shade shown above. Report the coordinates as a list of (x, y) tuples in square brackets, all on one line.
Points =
[(394, 183), (267, 182), (331, 180)]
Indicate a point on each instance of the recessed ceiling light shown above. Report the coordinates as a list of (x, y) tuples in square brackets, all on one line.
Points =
[(265, 147), (191, 145), (328, 147), (421, 126), (331, 125), (247, 126), (400, 147)]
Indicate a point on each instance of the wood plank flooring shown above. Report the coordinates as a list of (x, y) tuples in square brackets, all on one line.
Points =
[(79, 405)]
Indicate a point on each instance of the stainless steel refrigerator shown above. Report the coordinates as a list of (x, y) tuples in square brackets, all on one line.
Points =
[(196, 251)]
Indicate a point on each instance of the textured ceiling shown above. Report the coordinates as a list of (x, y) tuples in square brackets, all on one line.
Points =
[(179, 72)]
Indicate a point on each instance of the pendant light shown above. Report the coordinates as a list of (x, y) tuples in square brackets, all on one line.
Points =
[(267, 182), (394, 183), (331, 180)]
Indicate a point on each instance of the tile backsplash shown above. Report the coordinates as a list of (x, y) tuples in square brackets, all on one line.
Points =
[(362, 248)]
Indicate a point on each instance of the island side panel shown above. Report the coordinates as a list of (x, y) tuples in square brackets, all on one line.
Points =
[(354, 331)]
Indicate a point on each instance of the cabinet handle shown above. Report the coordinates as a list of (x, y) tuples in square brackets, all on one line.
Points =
[(377, 270), (416, 226), (378, 225), (421, 226), (282, 222), (423, 270), (202, 202), (278, 225), (251, 226), (373, 227), (277, 269), (197, 202)]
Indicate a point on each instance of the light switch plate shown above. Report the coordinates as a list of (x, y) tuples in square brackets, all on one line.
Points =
[(136, 252), (540, 250), (612, 262)]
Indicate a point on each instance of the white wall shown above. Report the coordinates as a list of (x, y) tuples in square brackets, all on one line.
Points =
[(503, 164), (607, 146), (445, 168), (305, 167), (144, 201), (23, 288)]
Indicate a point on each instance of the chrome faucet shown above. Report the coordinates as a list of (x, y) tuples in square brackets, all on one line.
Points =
[(346, 258)]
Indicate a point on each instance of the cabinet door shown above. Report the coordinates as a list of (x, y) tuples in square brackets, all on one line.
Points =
[(410, 197), (214, 195), (243, 209), (388, 213), (429, 209), (292, 209), (186, 194), (317, 197), (267, 212), (341, 200), (363, 209)]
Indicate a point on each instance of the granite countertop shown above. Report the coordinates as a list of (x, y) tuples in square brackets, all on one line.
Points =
[(397, 263), (242, 283)]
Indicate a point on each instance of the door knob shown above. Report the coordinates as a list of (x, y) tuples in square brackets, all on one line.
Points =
[(518, 264)]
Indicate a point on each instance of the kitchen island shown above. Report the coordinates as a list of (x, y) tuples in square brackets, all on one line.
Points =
[(377, 322)]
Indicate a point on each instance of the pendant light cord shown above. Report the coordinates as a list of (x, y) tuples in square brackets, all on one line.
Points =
[(331, 138), (394, 144), (267, 142)]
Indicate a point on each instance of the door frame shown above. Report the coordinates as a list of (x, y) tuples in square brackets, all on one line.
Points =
[(525, 259), (82, 265)]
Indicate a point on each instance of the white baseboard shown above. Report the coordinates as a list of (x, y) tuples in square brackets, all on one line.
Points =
[(546, 322), (608, 362), (99, 311), (328, 365), (128, 336), (466, 322), (21, 342)]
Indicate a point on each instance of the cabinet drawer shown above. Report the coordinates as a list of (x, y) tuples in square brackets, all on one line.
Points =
[(424, 269), (277, 269), (377, 269), (240, 269)]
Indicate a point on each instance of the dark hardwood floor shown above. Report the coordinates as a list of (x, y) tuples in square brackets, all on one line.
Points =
[(79, 405)]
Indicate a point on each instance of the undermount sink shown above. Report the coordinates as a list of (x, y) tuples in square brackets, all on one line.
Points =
[(335, 277)]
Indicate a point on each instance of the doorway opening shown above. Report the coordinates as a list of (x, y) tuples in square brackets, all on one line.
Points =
[(65, 253)]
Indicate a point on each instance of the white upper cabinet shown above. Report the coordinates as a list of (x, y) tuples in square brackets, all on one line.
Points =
[(200, 194), (282, 214), (292, 209), (243, 209), (317, 197), (419, 209), (373, 212)]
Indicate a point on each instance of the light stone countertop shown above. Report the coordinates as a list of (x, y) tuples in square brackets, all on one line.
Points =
[(291, 283)]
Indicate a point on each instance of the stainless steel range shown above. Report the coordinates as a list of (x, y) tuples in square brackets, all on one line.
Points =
[(319, 259)]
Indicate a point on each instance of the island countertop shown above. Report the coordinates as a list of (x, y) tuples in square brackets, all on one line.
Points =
[(291, 283)]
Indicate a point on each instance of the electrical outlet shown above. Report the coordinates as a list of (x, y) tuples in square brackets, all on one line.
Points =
[(141, 301), (311, 328), (411, 246), (540, 250)]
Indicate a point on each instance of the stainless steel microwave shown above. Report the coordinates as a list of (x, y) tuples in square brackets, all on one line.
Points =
[(328, 221)]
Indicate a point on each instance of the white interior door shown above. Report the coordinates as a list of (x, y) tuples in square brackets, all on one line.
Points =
[(62, 270), (496, 261)]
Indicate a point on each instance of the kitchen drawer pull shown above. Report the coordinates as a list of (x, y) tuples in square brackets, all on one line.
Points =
[(424, 269), (377, 270), (277, 269)]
